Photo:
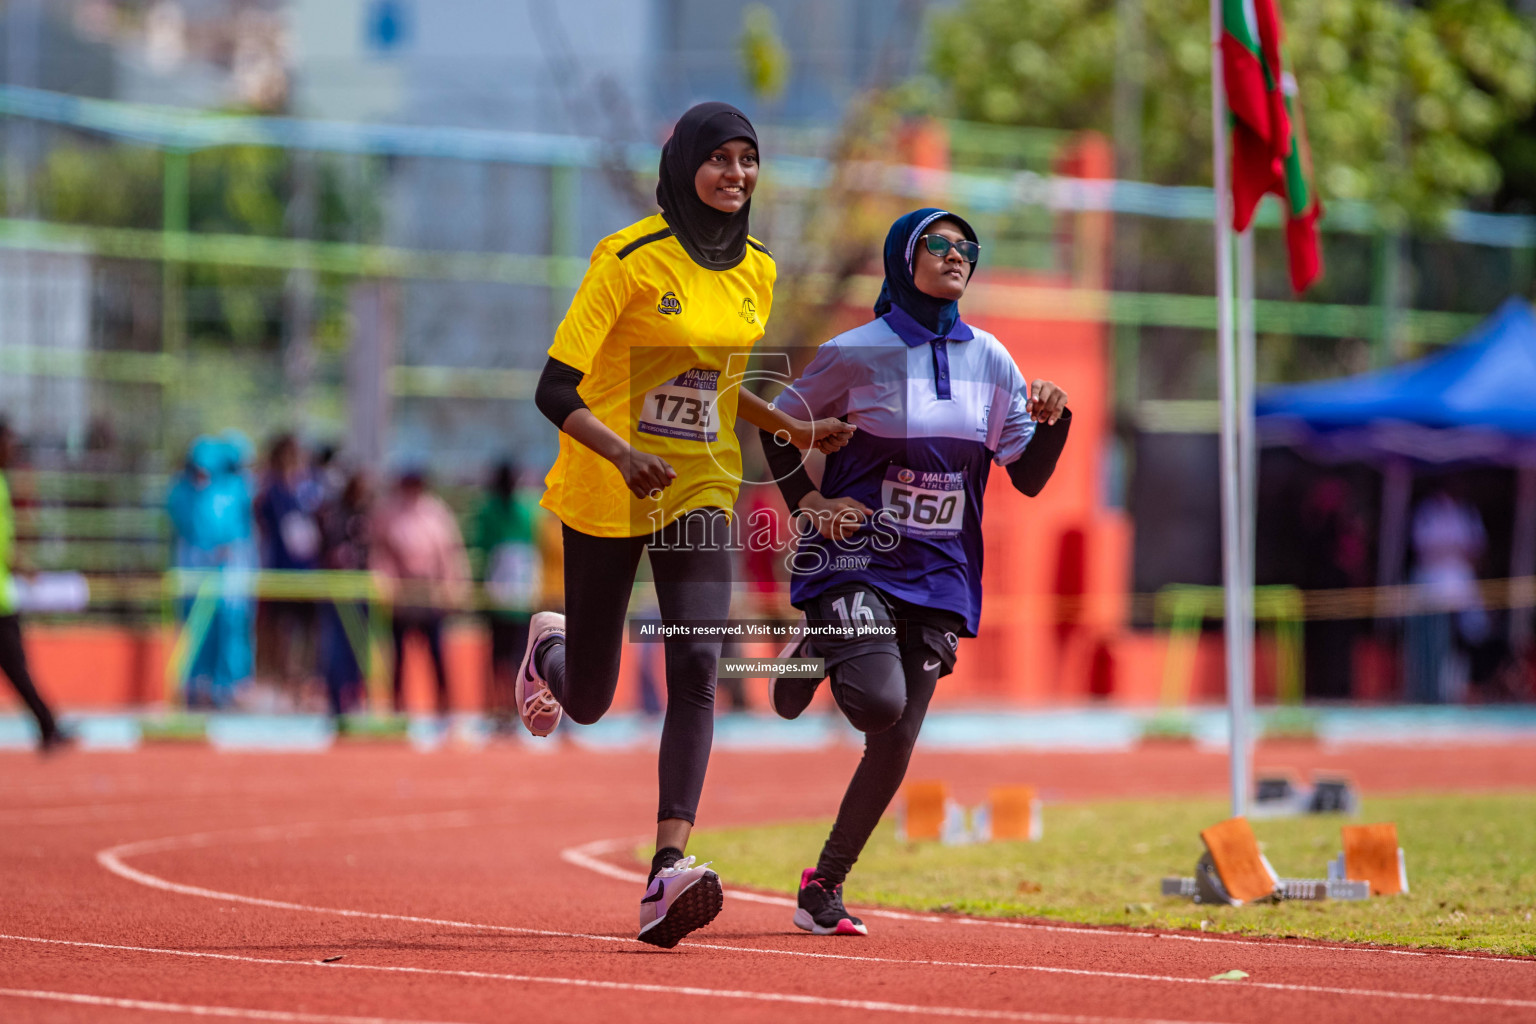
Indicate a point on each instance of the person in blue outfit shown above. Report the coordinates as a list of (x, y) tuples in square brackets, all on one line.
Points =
[(210, 510), (890, 541), (290, 541)]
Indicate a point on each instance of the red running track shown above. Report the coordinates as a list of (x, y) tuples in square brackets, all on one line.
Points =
[(472, 888)]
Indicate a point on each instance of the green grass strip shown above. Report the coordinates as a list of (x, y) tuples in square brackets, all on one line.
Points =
[(1471, 867), (174, 728)]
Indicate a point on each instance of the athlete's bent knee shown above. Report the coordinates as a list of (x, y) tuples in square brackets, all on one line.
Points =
[(871, 715)]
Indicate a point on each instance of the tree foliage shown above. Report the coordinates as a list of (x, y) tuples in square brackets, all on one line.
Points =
[(1402, 102)]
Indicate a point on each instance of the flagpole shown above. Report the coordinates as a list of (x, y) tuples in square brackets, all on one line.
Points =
[(1231, 548), (1247, 457)]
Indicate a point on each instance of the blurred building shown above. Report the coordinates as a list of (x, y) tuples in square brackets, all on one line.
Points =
[(45, 310), (186, 53), (835, 49), (586, 67), (616, 70)]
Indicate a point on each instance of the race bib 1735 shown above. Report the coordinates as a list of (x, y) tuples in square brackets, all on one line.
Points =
[(684, 407)]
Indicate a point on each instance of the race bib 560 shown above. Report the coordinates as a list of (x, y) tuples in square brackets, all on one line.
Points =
[(924, 504), (684, 407)]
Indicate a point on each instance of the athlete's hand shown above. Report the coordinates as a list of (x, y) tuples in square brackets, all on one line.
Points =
[(836, 518), (1046, 402), (825, 435), (831, 434), (646, 475)]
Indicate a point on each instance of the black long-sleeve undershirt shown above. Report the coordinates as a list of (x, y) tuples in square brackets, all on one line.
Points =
[(1029, 473), (556, 395), (788, 467), (1033, 468)]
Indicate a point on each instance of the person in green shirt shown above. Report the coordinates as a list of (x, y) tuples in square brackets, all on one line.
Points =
[(505, 536), (13, 656)]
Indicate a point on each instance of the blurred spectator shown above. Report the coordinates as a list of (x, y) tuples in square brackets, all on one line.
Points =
[(1448, 540), (290, 541), (13, 656), (1333, 555), (210, 510), (344, 533), (418, 552), (322, 480), (505, 535)]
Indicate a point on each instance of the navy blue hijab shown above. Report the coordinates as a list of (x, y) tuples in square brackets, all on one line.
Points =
[(937, 315)]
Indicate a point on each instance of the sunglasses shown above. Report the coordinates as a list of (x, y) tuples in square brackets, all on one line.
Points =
[(940, 246)]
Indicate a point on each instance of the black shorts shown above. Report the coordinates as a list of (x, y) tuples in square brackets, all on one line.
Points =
[(851, 604)]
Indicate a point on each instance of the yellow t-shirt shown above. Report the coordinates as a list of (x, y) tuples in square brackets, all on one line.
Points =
[(663, 344)]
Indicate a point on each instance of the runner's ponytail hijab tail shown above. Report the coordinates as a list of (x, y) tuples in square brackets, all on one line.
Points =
[(714, 239), (938, 315)]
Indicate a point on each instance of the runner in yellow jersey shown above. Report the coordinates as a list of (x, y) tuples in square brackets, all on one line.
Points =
[(643, 381)]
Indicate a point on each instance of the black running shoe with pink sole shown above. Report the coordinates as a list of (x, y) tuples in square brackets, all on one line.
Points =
[(821, 910)]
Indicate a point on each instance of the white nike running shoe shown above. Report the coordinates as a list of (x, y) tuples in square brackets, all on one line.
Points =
[(680, 899), (536, 705)]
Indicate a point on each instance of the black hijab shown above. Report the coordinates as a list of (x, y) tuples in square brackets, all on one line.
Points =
[(714, 239)]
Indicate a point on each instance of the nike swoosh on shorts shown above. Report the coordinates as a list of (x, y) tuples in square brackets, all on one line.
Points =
[(929, 666)]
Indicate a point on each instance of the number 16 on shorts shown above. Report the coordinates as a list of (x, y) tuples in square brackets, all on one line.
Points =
[(924, 504)]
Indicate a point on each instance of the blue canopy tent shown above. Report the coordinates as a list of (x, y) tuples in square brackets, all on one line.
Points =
[(1472, 401)]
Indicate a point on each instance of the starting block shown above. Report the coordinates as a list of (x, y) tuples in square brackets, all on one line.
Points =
[(1233, 871), (926, 811), (1371, 855), (1011, 812), (1280, 794)]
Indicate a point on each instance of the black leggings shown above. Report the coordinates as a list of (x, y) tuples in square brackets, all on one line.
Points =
[(691, 563), (430, 626), (885, 694), (13, 662)]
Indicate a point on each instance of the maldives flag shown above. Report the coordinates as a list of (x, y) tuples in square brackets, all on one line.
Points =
[(1302, 208), (1261, 129), (1267, 154)]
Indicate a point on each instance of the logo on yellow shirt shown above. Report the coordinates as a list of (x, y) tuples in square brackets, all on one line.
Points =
[(669, 304), (749, 311)]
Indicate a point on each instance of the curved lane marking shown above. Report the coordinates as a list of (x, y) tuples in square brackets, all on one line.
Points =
[(111, 859), (200, 1011), (817, 1001), (588, 856)]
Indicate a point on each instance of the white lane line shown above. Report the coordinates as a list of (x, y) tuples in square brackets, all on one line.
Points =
[(99, 812), (200, 1011), (818, 1001), (111, 860), (588, 856)]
